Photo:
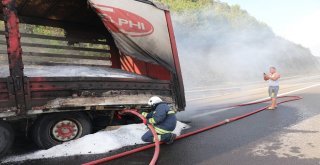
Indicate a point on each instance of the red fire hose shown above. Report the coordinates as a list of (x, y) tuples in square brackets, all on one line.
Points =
[(156, 144)]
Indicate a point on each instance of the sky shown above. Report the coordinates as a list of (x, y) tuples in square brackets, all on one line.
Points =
[(295, 20)]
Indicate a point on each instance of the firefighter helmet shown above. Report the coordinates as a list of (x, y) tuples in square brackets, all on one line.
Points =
[(154, 100)]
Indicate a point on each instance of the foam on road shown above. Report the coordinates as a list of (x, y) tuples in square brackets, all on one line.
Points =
[(100, 142)]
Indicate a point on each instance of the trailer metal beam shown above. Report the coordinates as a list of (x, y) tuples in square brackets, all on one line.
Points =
[(14, 52)]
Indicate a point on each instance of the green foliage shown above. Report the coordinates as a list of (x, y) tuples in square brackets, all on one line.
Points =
[(234, 15), (44, 30), (182, 5)]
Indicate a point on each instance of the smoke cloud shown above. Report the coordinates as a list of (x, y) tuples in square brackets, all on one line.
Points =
[(215, 50)]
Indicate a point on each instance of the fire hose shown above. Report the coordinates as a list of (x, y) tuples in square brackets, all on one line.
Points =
[(157, 143)]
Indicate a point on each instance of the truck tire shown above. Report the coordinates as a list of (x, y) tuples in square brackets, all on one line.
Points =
[(53, 129), (6, 137)]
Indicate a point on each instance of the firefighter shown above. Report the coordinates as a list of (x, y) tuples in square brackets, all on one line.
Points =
[(162, 118)]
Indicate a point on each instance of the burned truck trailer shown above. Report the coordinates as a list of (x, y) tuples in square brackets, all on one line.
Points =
[(66, 64)]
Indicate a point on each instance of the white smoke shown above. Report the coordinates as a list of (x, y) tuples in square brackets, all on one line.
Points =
[(215, 50)]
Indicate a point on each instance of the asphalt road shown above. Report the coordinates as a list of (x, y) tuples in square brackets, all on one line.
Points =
[(288, 135)]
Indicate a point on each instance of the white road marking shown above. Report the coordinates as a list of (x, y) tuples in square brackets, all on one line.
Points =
[(286, 93), (205, 88), (203, 98), (210, 97), (217, 89), (225, 109)]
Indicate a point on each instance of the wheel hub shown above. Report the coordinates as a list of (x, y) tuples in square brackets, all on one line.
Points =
[(65, 130)]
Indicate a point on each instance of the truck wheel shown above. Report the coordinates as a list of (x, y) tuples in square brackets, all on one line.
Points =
[(53, 129), (6, 137)]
